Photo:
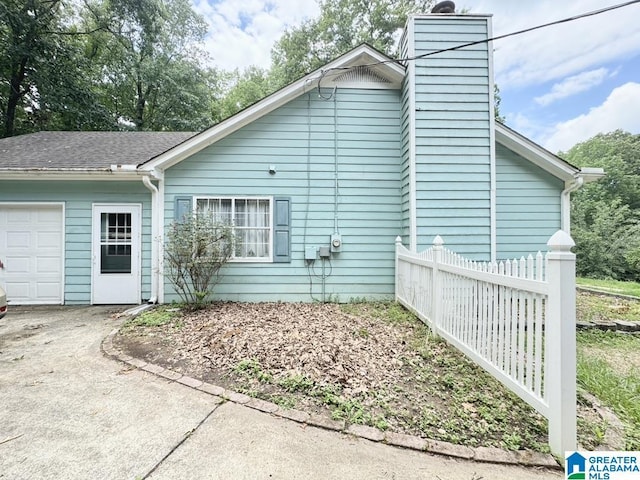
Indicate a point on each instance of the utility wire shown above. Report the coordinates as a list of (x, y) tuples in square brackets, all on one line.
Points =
[(526, 30), (600, 11)]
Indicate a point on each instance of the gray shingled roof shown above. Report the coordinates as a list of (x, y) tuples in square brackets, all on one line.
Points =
[(84, 150)]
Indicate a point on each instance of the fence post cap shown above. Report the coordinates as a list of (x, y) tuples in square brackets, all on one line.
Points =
[(398, 240), (438, 241), (561, 241)]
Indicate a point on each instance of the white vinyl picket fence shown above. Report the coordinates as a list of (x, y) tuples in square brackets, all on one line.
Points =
[(515, 319)]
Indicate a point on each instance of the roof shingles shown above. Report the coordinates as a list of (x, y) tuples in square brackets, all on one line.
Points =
[(84, 150)]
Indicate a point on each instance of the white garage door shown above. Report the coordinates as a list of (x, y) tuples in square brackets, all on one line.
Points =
[(31, 250)]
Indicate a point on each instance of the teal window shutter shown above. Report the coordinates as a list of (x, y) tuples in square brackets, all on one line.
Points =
[(282, 230), (181, 208)]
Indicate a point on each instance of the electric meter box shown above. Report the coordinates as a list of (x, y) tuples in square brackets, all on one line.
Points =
[(336, 242)]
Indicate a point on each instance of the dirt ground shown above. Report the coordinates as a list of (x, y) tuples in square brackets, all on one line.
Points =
[(371, 364)]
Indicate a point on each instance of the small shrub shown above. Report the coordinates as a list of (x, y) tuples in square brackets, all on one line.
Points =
[(197, 248)]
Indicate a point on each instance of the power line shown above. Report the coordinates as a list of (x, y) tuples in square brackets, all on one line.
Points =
[(526, 30), (487, 40)]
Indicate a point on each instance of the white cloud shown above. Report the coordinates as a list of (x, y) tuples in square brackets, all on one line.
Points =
[(573, 85), (242, 32), (619, 111), (556, 52)]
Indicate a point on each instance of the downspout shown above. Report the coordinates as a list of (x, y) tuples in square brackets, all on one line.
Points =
[(565, 200), (155, 266)]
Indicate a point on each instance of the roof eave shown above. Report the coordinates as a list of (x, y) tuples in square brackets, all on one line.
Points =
[(591, 174), (358, 56), (62, 174)]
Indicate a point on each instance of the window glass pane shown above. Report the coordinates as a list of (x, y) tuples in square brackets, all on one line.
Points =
[(251, 221), (218, 208), (115, 239)]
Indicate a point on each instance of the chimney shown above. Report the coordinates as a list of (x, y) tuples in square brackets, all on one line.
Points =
[(449, 132)]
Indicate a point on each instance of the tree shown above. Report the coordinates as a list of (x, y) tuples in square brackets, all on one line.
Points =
[(148, 57), (41, 70), (197, 247), (618, 153), (607, 236), (247, 87), (605, 216), (341, 26)]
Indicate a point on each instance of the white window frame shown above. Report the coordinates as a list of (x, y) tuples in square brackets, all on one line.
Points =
[(233, 199)]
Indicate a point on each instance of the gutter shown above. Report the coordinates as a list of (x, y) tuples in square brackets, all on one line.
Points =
[(584, 176)]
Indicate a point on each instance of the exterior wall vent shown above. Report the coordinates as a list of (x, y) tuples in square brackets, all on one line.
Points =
[(361, 74)]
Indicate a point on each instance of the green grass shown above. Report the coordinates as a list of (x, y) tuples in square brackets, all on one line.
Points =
[(608, 368), (593, 307), (611, 286), (154, 317)]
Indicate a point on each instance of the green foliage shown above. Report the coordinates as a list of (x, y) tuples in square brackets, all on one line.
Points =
[(296, 383), (155, 317), (42, 70), (147, 57), (341, 26), (606, 215), (251, 368), (619, 154), (196, 249), (103, 65), (246, 88), (607, 236)]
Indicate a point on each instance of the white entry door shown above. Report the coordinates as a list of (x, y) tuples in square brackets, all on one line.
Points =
[(116, 254), (31, 252)]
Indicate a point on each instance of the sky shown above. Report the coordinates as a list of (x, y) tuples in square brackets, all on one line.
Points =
[(559, 85)]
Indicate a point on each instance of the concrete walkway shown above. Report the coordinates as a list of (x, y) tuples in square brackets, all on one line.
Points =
[(68, 412)]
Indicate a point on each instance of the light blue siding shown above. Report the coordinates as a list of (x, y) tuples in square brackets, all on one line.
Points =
[(301, 140), (78, 198), (528, 205), (453, 135)]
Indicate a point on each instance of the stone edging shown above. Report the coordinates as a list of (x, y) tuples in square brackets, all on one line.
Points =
[(479, 454)]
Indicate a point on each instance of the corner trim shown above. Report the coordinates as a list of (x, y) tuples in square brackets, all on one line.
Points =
[(413, 195)]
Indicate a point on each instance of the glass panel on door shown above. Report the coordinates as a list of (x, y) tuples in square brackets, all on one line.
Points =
[(115, 243)]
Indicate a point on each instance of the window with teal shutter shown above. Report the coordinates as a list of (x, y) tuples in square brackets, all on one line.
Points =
[(282, 230), (182, 208)]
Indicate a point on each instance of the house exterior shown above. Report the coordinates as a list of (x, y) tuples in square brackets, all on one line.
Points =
[(318, 179)]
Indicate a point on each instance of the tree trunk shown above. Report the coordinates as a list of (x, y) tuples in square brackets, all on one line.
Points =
[(140, 104), (15, 93)]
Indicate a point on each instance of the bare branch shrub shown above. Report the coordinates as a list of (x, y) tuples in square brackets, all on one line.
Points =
[(196, 249)]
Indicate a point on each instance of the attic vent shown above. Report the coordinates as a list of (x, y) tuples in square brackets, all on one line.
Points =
[(361, 74), (444, 7)]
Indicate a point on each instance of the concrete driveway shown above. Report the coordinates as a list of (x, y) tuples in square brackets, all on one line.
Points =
[(68, 412)]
